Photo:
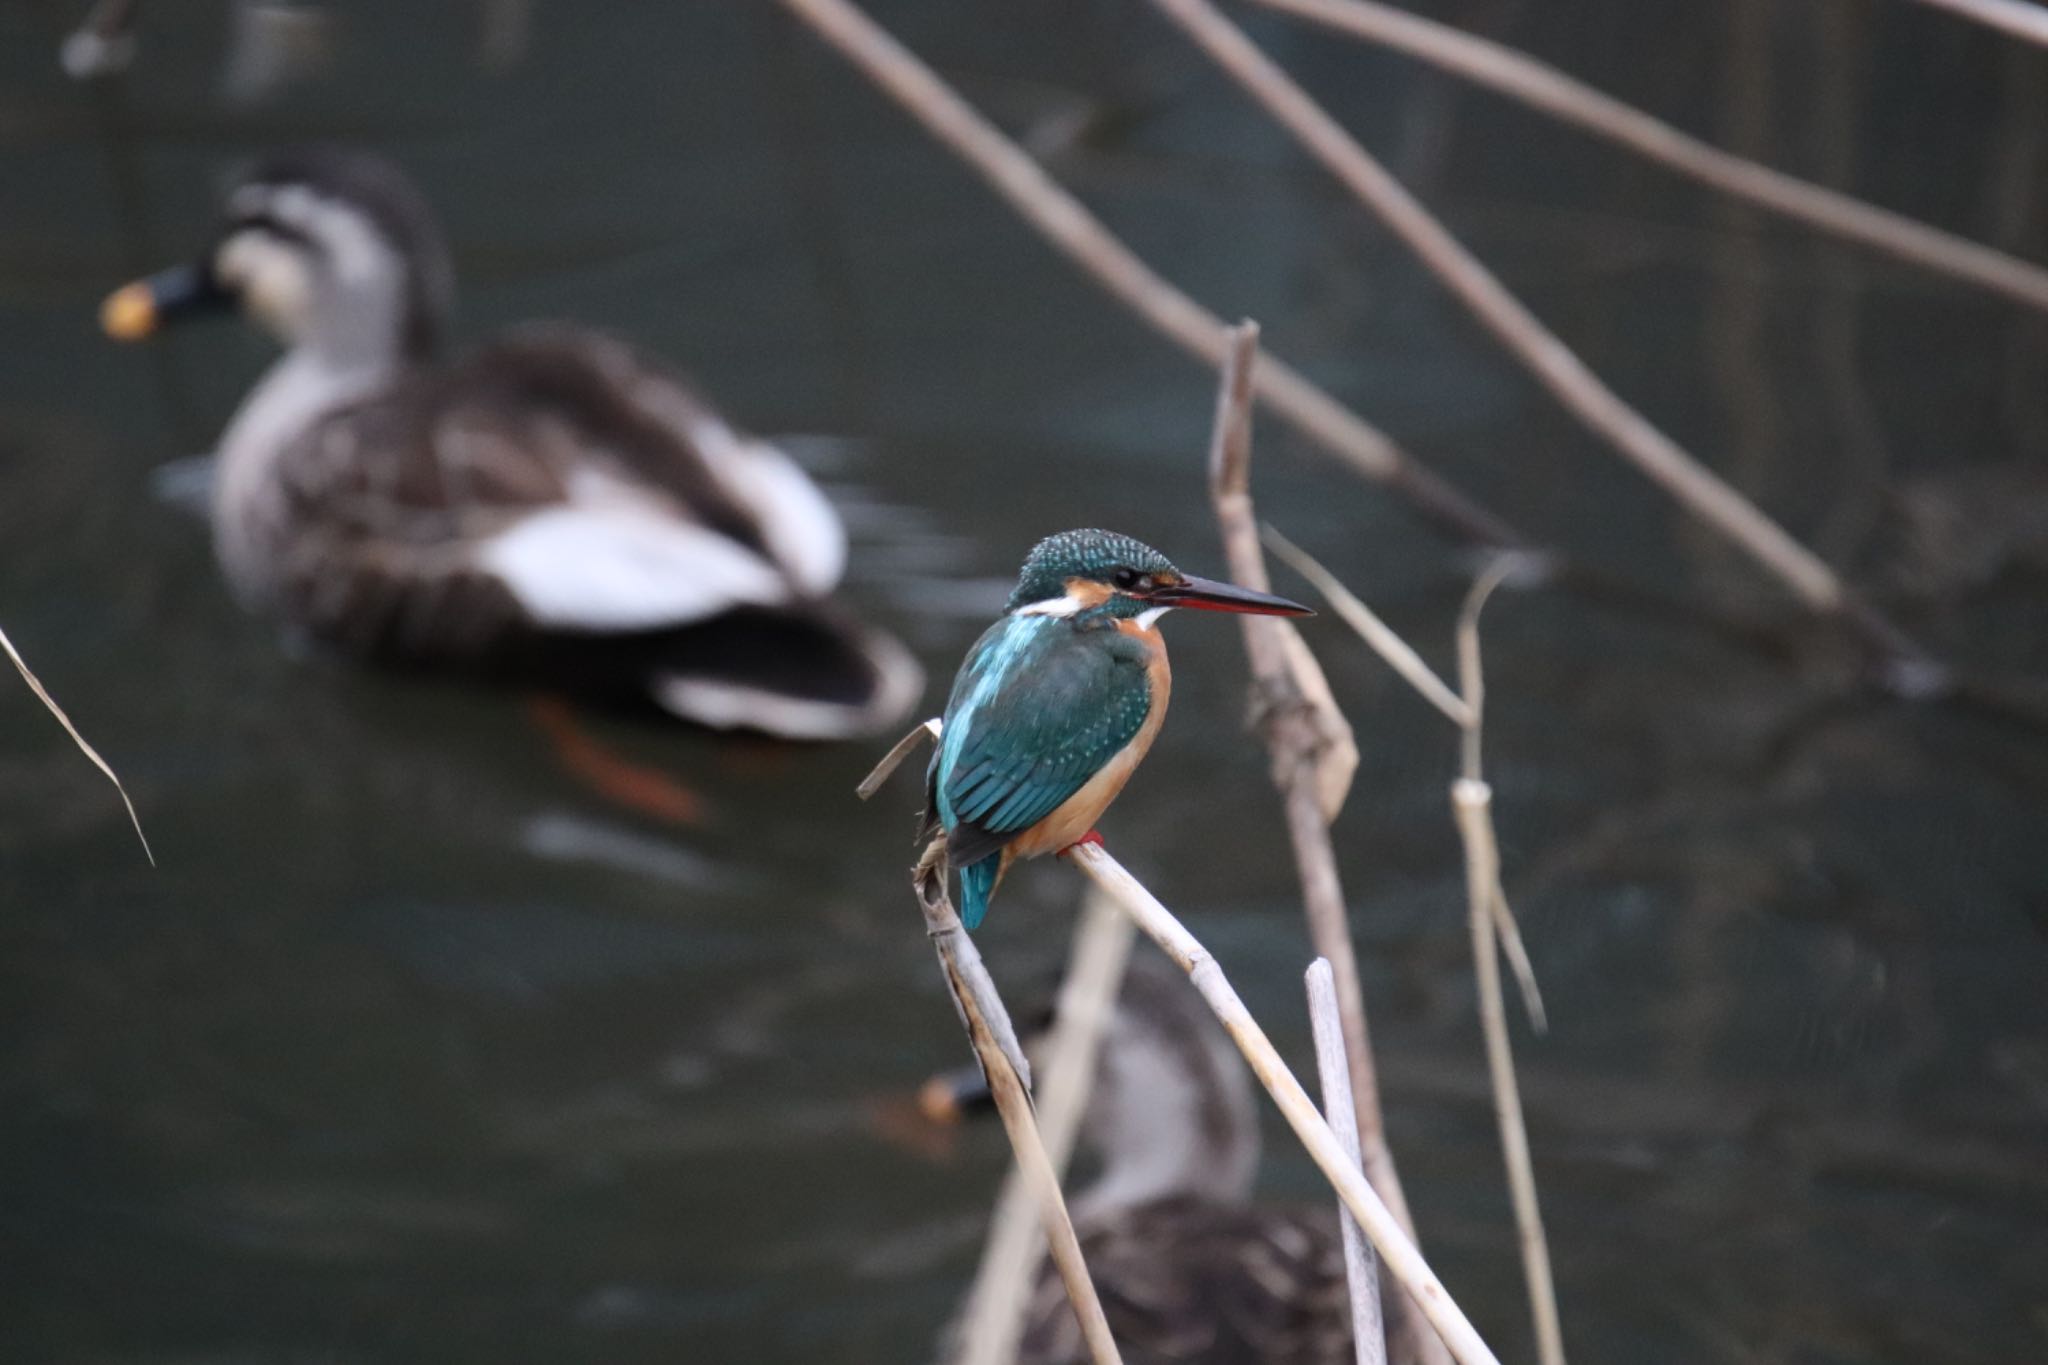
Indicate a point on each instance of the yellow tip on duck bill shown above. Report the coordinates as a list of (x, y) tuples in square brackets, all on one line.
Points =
[(937, 1102), (947, 1098), (130, 312)]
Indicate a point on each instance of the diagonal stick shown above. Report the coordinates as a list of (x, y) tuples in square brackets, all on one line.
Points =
[(1544, 354), (1078, 234), (962, 968), (994, 1319), (1402, 1260), (1544, 88), (35, 685)]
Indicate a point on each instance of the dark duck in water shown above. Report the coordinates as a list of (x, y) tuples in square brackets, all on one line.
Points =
[(555, 508)]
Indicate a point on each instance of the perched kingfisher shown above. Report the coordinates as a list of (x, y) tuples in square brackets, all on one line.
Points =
[(1057, 704)]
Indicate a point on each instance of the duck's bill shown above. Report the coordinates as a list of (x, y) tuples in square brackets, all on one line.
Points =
[(1206, 594), (952, 1095), (138, 310)]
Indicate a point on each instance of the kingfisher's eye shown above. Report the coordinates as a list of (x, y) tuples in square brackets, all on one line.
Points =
[(1125, 578)]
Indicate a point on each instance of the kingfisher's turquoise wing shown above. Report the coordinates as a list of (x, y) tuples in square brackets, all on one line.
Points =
[(1038, 709)]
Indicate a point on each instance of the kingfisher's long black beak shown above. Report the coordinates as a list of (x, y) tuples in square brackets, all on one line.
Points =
[(952, 1095), (135, 311), (1206, 594)]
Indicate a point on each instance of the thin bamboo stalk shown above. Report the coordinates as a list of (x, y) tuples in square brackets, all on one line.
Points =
[(993, 1323), (1472, 805), (1542, 352), (1067, 225), (1399, 655), (1402, 1260), (1304, 740), (2014, 17), (1361, 1267), (1544, 88), (968, 981), (1471, 801)]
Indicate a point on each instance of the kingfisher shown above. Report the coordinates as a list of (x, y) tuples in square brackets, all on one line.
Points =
[(1057, 703)]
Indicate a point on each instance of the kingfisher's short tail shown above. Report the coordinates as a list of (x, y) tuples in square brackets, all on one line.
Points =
[(977, 884)]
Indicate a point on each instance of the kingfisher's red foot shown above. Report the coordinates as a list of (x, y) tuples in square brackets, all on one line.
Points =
[(1093, 836)]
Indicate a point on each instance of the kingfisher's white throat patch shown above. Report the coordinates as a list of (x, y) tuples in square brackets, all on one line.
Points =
[(1070, 604), (1053, 606)]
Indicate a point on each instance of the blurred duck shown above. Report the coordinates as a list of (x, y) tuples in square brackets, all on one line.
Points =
[(1188, 1269), (554, 508)]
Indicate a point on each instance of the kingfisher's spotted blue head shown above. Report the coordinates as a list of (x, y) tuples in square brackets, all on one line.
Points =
[(1096, 573)]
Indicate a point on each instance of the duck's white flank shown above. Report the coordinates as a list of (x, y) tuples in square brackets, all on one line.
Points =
[(803, 532), (625, 567)]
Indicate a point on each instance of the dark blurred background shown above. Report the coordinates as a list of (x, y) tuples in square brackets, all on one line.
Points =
[(410, 1050)]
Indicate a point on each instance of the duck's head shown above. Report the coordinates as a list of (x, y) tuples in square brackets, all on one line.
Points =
[(1091, 571), (324, 248), (1171, 1110)]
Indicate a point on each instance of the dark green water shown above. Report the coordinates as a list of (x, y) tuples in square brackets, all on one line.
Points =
[(410, 1050)]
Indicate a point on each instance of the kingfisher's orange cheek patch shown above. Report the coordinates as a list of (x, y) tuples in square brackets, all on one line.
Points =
[(1088, 592)]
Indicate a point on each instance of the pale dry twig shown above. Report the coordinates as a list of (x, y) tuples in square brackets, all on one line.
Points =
[(35, 685), (1313, 757), (1544, 88), (1396, 1249), (1472, 806), (2014, 17), (1547, 358), (1361, 1268), (994, 1319), (1399, 655), (1067, 224), (968, 981), (987, 1024)]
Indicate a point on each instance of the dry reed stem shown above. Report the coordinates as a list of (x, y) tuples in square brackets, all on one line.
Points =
[(35, 685), (993, 1323), (1471, 801), (1544, 88), (1067, 224), (1472, 805), (1313, 757), (1396, 1250), (1542, 352), (1399, 655), (1361, 1269), (891, 761), (962, 966), (2021, 20), (989, 1000), (1383, 638)]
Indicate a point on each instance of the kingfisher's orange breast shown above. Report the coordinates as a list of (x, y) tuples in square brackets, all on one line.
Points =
[(1078, 814)]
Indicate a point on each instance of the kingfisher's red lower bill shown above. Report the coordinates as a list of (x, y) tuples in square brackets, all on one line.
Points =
[(1059, 701)]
